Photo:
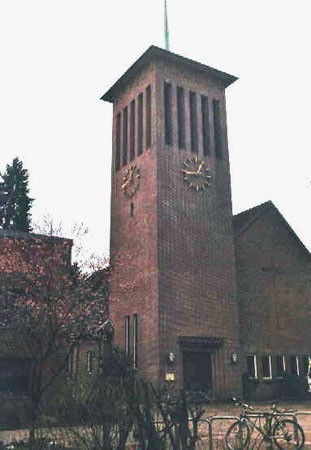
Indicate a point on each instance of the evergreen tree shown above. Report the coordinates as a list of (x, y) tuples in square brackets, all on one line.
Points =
[(15, 182)]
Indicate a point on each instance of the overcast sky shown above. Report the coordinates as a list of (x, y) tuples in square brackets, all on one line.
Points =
[(58, 57)]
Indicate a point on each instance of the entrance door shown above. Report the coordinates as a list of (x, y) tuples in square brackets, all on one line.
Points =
[(197, 368)]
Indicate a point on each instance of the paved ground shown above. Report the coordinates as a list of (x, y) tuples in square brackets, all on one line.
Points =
[(220, 425)]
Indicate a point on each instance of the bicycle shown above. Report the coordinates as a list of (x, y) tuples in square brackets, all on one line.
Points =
[(283, 433)]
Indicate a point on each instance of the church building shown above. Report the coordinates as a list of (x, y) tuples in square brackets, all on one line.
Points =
[(198, 298)]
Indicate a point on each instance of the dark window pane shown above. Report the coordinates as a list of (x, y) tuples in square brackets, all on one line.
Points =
[(148, 117), (251, 366), (217, 129), (125, 143), (266, 366), (118, 142), (132, 131), (140, 123), (193, 122), (168, 113), (293, 365), (127, 335), (181, 117), (135, 339), (280, 366), (205, 125)]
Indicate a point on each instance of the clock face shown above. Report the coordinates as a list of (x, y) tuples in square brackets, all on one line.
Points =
[(196, 173), (130, 182)]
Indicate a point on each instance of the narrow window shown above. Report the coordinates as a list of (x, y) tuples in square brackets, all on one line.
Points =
[(132, 131), (89, 361), (148, 117), (280, 366), (217, 129), (118, 142), (125, 143), (132, 210), (181, 117), (140, 123), (306, 365), (266, 367), (73, 362), (205, 125), (294, 365), (251, 363), (193, 122), (127, 335), (135, 340), (168, 113)]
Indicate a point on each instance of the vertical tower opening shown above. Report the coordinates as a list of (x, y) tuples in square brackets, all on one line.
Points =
[(181, 117), (217, 129), (193, 122), (118, 143), (125, 143), (205, 125), (168, 113), (132, 131), (148, 117), (140, 124)]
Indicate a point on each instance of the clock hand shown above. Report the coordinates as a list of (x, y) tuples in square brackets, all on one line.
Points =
[(200, 167), (125, 184), (189, 172)]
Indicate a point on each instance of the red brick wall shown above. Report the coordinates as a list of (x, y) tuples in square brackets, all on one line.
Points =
[(195, 240), (173, 262), (274, 285), (133, 282)]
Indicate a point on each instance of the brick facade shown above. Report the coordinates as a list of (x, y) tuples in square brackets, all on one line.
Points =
[(274, 289), (203, 285), (173, 260)]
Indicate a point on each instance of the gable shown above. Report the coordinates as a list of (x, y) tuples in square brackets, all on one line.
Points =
[(263, 234)]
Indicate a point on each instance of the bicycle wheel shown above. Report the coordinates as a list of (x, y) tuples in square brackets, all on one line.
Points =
[(238, 436), (288, 434)]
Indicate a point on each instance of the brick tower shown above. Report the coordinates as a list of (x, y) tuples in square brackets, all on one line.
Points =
[(173, 289)]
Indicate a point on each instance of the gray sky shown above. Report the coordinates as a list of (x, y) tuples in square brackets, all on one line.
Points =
[(58, 57)]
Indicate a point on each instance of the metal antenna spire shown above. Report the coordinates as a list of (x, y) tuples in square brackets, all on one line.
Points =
[(166, 32)]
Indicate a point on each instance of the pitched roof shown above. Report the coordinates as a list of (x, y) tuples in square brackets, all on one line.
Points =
[(15, 234), (153, 53), (244, 220)]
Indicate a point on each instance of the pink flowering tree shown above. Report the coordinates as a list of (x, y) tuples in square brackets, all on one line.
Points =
[(49, 308)]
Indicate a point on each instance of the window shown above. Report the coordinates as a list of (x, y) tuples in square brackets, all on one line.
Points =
[(148, 117), (168, 114), (118, 142), (181, 117), (266, 367), (280, 366), (127, 335), (251, 363), (217, 129), (140, 124), (132, 210), (193, 122), (135, 340), (132, 131), (306, 364), (294, 365), (125, 125), (205, 125), (89, 361), (73, 359), (14, 376)]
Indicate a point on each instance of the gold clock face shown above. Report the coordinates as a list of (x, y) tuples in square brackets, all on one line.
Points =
[(130, 182), (196, 173)]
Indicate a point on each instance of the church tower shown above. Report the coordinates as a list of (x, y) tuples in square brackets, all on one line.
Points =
[(173, 288)]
